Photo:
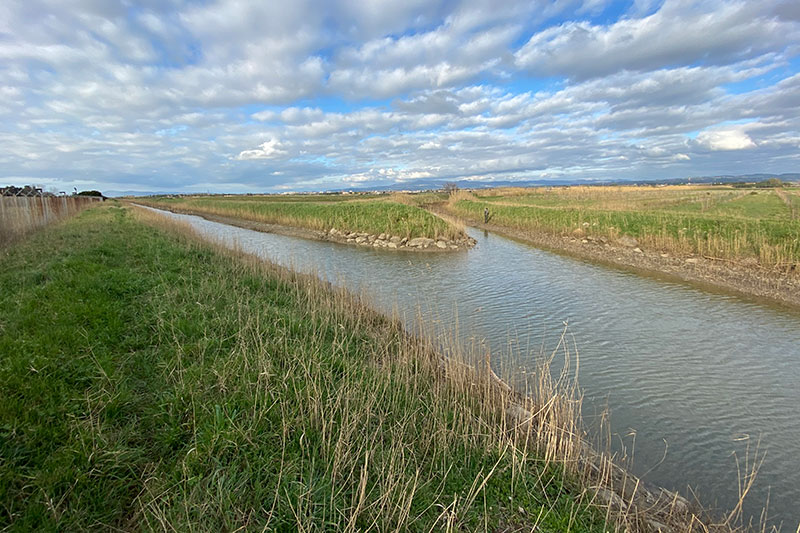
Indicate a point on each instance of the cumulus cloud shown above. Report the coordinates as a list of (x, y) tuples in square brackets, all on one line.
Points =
[(725, 139), (270, 149)]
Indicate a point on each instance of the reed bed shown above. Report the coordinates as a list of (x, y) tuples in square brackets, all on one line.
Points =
[(751, 227), (620, 198), (21, 215), (611, 198), (374, 216), (792, 201)]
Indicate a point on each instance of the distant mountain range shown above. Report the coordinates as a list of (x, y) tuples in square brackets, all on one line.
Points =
[(726, 178), (432, 184), (422, 185)]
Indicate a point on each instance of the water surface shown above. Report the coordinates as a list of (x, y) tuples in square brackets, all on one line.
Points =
[(693, 377)]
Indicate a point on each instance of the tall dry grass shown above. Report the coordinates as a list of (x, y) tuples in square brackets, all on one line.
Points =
[(21, 215), (373, 215), (614, 198), (770, 243), (792, 201)]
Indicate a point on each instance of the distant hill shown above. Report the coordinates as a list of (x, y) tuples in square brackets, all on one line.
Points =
[(421, 185), (727, 178), (433, 184)]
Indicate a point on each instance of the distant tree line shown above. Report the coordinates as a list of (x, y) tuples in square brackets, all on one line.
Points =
[(33, 191), (770, 183), (26, 191)]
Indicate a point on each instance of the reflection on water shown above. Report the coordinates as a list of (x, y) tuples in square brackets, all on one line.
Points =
[(694, 373)]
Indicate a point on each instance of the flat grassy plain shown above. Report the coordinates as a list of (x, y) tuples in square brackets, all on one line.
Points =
[(757, 225), (151, 381), (374, 214)]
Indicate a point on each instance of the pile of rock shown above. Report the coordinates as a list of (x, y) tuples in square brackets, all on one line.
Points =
[(394, 242)]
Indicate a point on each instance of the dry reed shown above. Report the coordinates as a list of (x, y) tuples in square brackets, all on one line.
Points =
[(21, 215)]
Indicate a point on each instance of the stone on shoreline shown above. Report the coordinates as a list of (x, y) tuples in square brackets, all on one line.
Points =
[(386, 240), (420, 242)]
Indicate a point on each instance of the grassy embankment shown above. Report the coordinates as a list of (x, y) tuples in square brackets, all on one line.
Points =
[(733, 224), (151, 381), (367, 214)]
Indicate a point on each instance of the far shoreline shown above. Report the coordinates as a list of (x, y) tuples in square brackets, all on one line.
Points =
[(728, 276), (332, 235), (708, 274)]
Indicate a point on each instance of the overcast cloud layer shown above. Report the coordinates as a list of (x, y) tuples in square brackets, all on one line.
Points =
[(254, 96)]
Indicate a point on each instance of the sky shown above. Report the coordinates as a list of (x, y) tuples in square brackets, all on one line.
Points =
[(242, 96)]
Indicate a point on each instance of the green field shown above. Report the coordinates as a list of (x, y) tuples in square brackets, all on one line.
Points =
[(364, 213), (151, 381), (720, 222)]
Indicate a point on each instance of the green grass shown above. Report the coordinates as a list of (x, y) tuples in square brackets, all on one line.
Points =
[(372, 215), (149, 381), (759, 205), (722, 201), (541, 200), (736, 225), (280, 198)]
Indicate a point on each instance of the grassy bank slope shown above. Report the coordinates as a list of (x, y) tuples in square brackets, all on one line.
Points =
[(152, 382), (368, 214)]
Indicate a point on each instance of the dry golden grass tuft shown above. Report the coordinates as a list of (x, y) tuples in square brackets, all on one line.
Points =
[(19, 215)]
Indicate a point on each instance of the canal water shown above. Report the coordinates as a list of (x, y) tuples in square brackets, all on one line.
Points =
[(693, 379)]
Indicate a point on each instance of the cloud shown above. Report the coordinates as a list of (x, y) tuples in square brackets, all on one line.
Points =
[(270, 149), (725, 138), (680, 33)]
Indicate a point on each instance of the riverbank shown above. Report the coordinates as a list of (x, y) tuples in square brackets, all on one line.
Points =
[(744, 277), (370, 221), (151, 380), (383, 240)]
